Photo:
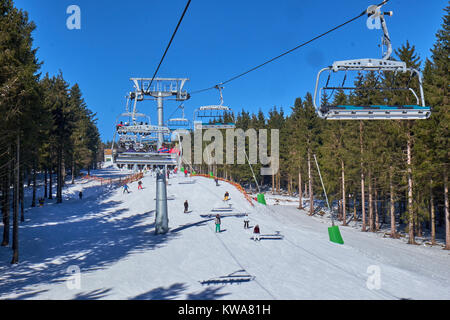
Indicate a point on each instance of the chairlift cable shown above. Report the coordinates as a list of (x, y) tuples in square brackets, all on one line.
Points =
[(287, 52), (170, 43)]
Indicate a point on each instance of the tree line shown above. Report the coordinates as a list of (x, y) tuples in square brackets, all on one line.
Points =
[(384, 172), (46, 127)]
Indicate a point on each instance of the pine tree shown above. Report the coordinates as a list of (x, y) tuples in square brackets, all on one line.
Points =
[(433, 145), (310, 128), (19, 95)]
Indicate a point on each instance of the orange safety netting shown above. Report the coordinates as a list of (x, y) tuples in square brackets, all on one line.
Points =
[(236, 185), (120, 181)]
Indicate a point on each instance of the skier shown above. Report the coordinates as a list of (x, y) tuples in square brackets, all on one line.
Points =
[(125, 188), (217, 181), (246, 222), (226, 197), (218, 222), (80, 195), (186, 206), (185, 173), (256, 232), (140, 185)]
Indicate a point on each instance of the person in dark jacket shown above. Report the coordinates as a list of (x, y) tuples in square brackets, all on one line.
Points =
[(186, 206), (256, 233), (80, 195)]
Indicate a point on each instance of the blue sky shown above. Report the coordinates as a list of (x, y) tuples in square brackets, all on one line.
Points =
[(216, 41)]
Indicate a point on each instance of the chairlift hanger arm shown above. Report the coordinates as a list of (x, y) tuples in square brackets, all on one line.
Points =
[(375, 12)]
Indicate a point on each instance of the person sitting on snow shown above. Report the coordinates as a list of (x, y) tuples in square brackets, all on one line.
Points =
[(256, 233)]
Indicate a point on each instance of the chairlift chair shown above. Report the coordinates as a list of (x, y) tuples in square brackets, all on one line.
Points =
[(180, 123), (384, 65), (136, 134), (214, 116)]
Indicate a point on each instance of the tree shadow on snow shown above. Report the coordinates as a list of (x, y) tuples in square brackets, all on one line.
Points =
[(175, 291), (170, 293), (93, 295), (196, 224), (191, 225), (90, 236)]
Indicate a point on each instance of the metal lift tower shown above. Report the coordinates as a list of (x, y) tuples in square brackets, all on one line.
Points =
[(160, 89)]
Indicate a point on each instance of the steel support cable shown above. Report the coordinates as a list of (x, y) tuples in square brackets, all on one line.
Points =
[(173, 113), (289, 51), (7, 163), (4, 154), (285, 53), (170, 43)]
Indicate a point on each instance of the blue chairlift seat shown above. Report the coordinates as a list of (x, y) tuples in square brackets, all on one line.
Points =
[(376, 112)]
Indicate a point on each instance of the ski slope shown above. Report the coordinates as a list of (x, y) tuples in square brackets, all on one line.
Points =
[(110, 237)]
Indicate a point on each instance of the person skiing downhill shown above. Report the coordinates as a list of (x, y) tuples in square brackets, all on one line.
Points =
[(256, 232), (227, 196), (218, 222), (186, 206), (140, 185), (125, 188)]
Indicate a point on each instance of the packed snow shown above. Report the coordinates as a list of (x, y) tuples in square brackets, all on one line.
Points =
[(109, 237)]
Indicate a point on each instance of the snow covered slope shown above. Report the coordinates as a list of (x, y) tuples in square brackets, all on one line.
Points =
[(110, 237)]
